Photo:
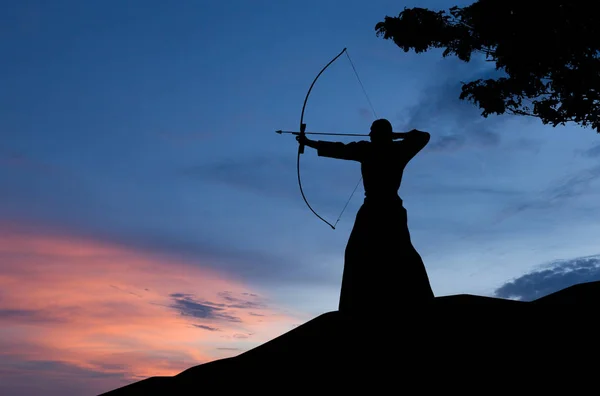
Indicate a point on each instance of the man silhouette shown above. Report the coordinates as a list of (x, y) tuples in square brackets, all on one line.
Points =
[(382, 269)]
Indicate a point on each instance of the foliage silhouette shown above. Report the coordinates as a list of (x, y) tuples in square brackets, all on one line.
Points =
[(550, 54)]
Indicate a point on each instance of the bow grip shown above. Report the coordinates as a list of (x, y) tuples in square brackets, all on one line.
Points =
[(302, 130)]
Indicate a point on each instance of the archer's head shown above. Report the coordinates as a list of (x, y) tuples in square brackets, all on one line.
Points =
[(381, 131)]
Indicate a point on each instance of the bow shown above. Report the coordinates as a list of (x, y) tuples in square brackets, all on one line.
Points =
[(303, 133)]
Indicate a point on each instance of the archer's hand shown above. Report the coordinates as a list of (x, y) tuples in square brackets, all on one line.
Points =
[(302, 139)]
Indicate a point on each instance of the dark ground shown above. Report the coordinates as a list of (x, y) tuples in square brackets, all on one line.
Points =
[(460, 343)]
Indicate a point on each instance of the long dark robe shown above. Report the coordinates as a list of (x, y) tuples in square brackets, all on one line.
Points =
[(382, 269)]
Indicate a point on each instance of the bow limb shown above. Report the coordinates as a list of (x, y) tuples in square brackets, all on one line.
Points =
[(302, 133)]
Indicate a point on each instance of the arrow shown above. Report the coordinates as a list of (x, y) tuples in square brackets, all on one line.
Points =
[(321, 133)]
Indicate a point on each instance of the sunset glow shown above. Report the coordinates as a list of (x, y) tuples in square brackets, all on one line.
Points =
[(109, 309)]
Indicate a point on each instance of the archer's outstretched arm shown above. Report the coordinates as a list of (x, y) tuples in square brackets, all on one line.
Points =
[(350, 151)]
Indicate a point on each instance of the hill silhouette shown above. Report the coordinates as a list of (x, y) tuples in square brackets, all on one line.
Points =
[(462, 343)]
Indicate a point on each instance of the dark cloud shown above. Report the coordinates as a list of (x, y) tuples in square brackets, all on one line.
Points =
[(235, 302), (28, 316), (17, 313), (187, 306), (551, 278), (205, 327)]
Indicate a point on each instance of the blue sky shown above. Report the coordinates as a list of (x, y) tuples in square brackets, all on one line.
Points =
[(148, 127)]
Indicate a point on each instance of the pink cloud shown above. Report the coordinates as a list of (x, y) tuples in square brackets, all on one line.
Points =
[(109, 309)]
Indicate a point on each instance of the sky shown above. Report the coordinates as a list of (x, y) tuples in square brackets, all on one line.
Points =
[(151, 220)]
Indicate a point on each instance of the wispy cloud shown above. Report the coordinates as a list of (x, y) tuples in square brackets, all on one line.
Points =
[(592, 152), (559, 193), (29, 316), (274, 176), (440, 108), (467, 189), (265, 174), (209, 328), (551, 278), (447, 143)]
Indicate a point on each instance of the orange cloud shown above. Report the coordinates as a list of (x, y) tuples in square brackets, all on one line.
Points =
[(110, 309)]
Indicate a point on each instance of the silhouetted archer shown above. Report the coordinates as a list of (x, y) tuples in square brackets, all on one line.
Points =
[(381, 266)]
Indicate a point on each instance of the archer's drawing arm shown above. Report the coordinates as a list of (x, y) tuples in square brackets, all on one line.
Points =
[(412, 142)]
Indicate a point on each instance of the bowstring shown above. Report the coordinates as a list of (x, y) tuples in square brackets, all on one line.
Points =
[(374, 115), (361, 85)]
